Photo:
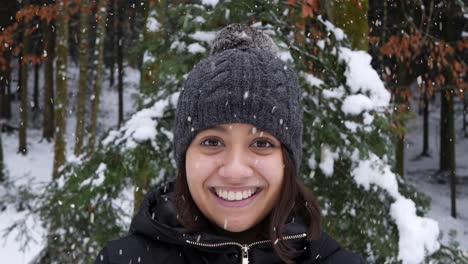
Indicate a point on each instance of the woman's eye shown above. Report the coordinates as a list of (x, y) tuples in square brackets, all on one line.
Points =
[(211, 142), (260, 143)]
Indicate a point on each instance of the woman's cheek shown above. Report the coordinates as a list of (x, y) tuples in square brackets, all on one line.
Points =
[(269, 168), (205, 164)]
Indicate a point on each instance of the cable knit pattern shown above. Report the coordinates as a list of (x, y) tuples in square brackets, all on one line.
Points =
[(241, 85)]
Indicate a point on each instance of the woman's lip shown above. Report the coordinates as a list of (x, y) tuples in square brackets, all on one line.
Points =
[(236, 203), (236, 188)]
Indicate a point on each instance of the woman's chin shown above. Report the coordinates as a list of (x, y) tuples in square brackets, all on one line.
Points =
[(234, 225), (239, 226), (237, 229)]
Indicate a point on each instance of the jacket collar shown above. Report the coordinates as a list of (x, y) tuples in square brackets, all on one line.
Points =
[(323, 248), (157, 220)]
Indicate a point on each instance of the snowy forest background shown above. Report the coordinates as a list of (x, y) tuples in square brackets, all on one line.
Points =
[(88, 90)]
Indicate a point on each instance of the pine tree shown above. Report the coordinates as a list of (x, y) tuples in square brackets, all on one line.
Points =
[(60, 102), (149, 80)]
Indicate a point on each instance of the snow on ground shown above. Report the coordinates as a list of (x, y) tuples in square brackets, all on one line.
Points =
[(422, 173), (30, 170), (35, 169)]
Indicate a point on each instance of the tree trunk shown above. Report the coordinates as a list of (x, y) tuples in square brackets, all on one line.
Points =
[(5, 84), (101, 29), (22, 136), (7, 12), (2, 169), (35, 107), (120, 19), (384, 24), (453, 193), (142, 178), (149, 72), (451, 152), (401, 104), (400, 155), (465, 110), (82, 82), (425, 151), (351, 16), (447, 144), (139, 28), (112, 29), (61, 82), (444, 154), (48, 122)]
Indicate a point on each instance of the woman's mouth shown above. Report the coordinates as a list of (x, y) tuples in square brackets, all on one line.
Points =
[(235, 197)]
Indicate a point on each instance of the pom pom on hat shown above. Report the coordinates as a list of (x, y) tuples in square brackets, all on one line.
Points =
[(239, 36)]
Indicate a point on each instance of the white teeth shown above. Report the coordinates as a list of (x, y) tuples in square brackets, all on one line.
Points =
[(231, 195), (234, 195)]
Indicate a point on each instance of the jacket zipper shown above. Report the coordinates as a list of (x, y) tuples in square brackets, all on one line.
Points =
[(244, 248)]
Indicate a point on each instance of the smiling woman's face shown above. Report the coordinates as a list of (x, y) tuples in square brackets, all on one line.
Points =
[(234, 174)]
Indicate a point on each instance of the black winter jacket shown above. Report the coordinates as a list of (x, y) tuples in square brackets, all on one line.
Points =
[(157, 237)]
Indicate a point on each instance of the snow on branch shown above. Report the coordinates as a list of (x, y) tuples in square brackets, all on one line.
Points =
[(361, 77), (366, 93), (418, 235), (141, 127)]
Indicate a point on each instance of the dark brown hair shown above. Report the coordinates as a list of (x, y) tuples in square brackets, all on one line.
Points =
[(296, 200)]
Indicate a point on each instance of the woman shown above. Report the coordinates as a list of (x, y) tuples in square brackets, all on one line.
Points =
[(237, 197)]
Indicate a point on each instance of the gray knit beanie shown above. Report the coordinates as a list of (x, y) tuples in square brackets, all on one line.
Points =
[(242, 81)]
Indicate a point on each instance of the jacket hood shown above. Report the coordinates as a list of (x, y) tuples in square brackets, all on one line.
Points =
[(157, 220)]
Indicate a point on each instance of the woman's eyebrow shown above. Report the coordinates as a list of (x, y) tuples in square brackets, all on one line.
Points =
[(223, 129), (217, 128)]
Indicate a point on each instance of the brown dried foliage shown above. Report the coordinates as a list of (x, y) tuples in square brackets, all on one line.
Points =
[(441, 65), (45, 13)]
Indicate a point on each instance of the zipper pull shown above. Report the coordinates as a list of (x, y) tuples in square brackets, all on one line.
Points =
[(318, 259), (245, 254)]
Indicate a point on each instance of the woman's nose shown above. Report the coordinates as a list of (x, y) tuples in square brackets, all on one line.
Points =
[(235, 164)]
